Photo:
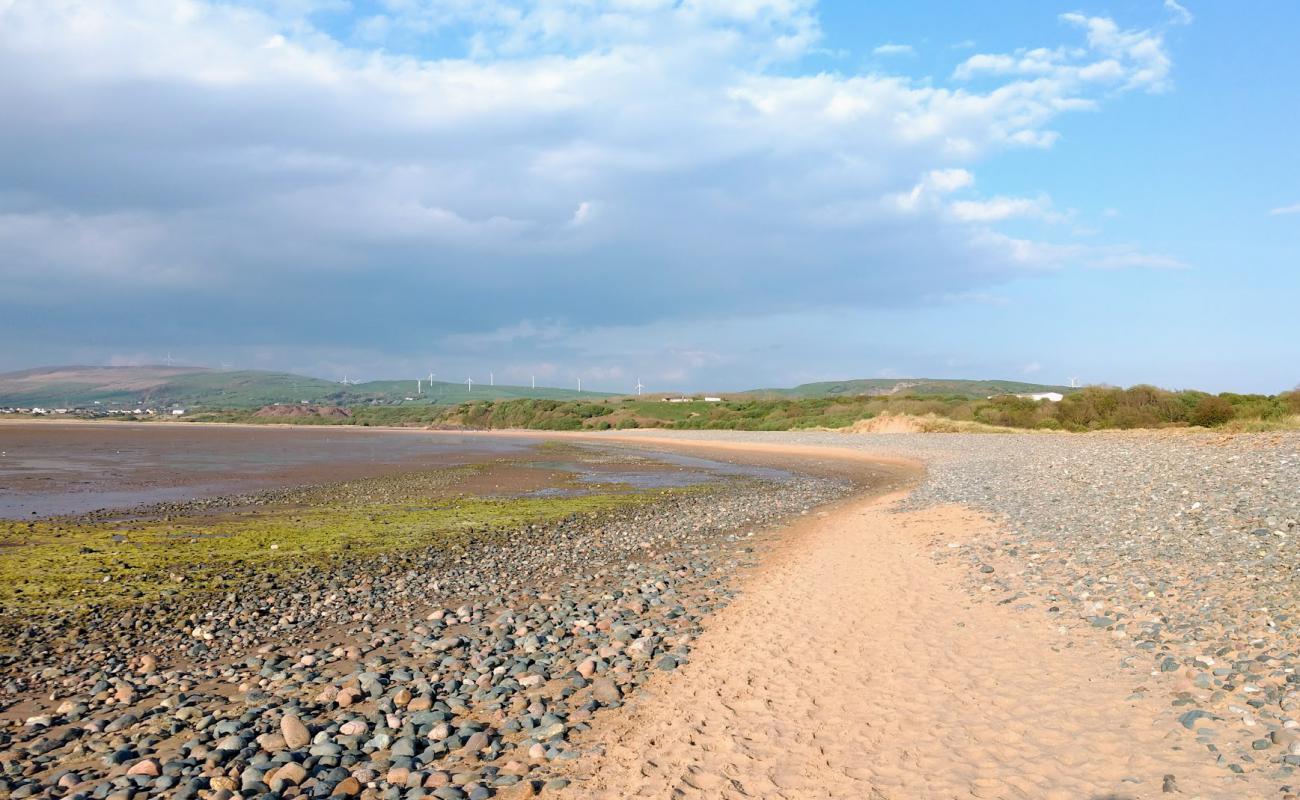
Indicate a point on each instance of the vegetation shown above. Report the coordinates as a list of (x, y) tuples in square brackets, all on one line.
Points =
[(926, 387), (1093, 408), (234, 396), (77, 564)]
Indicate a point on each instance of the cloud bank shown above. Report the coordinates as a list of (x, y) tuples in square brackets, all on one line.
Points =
[(244, 175)]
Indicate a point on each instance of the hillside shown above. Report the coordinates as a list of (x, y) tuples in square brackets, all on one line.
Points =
[(82, 387), (884, 387)]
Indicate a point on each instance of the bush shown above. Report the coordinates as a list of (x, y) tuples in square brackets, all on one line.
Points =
[(1291, 400), (1212, 411)]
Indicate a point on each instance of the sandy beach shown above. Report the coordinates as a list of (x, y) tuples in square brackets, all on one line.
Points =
[(970, 616)]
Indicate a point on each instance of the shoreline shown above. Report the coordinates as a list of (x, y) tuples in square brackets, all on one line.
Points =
[(666, 570), (1005, 560)]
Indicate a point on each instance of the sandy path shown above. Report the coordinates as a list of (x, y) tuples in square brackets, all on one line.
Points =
[(855, 665)]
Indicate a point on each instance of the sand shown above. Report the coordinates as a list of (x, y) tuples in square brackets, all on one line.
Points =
[(856, 664)]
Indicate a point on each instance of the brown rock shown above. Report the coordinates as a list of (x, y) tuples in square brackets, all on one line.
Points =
[(348, 787), (271, 742), (604, 690), (397, 776), (402, 697), (295, 733), (291, 773), (353, 727), (148, 766), (518, 790), (148, 664)]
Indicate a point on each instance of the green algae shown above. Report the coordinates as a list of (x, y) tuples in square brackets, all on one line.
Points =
[(65, 565)]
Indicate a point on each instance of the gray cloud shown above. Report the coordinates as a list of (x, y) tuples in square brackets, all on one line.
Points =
[(231, 176)]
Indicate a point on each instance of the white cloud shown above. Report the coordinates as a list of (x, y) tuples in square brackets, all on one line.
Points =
[(996, 209), (583, 214), (1295, 209), (1130, 58), (949, 180), (892, 49), (933, 183), (551, 159), (1178, 14), (1128, 258)]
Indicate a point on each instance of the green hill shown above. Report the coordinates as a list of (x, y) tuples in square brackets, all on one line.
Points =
[(886, 387), (82, 387)]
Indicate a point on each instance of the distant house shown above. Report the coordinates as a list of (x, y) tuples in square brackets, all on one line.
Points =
[(1055, 397), (713, 399), (177, 412)]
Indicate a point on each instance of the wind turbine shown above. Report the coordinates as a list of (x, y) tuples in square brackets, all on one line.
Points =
[(639, 387), (469, 383), (1074, 383), (419, 388), (492, 378), (168, 359), (579, 385), (534, 377)]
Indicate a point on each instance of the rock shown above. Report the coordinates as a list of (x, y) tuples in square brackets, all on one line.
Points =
[(272, 742), (148, 767), (291, 774), (398, 775), (353, 727), (348, 787), (223, 783), (296, 735), (605, 691)]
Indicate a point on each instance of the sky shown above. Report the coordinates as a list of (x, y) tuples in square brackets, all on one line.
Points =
[(699, 194)]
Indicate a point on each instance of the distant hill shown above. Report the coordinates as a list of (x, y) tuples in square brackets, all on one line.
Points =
[(82, 387), (879, 387)]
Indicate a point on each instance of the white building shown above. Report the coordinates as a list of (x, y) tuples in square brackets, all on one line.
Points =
[(1055, 397)]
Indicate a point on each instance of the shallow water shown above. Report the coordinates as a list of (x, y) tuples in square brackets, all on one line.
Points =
[(49, 469)]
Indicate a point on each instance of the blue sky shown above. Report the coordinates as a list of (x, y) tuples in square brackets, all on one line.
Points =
[(703, 194)]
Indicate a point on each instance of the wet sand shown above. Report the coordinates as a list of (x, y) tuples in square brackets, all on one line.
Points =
[(52, 468)]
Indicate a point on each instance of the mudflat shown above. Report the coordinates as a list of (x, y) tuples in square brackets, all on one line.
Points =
[(52, 468)]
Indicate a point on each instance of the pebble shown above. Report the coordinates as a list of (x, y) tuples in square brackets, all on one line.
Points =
[(442, 667)]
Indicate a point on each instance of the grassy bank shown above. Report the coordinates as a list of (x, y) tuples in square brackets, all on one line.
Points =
[(1093, 408)]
